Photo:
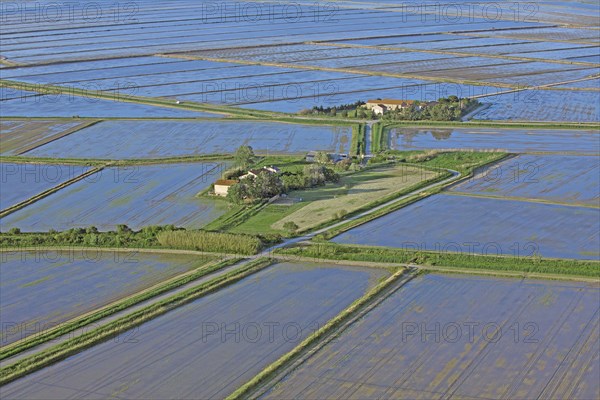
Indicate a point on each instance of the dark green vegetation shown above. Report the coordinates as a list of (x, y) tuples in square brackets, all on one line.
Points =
[(80, 322), (122, 237), (112, 329), (343, 110), (295, 174), (148, 237), (333, 251), (357, 146)]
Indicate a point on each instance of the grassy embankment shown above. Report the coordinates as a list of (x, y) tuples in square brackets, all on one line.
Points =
[(357, 147), (321, 335), (157, 237), (97, 315), (112, 329), (527, 265)]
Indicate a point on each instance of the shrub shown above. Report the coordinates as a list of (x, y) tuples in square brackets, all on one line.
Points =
[(290, 226)]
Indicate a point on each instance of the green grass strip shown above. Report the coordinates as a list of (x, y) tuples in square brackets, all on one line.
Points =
[(105, 332), (525, 264)]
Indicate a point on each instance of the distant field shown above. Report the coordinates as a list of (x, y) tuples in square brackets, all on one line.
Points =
[(17, 136), (136, 196), (194, 350), (320, 56), (485, 226), (511, 140), (567, 179), (23, 181), (40, 290), (445, 336), (19, 103), (154, 139)]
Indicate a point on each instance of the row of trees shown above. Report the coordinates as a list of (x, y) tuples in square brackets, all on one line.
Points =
[(447, 109)]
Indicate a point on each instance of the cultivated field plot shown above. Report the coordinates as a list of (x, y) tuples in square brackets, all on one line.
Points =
[(194, 351), (562, 179), (466, 224), (153, 139), (509, 140), (18, 136), (19, 103), (42, 289), (542, 105), (22, 181), (460, 337), (134, 195), (254, 86)]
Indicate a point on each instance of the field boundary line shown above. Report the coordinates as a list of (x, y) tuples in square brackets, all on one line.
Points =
[(48, 192), (522, 199), (456, 53)]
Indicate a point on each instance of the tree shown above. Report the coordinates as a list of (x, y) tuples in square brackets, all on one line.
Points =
[(322, 158), (314, 175), (266, 185), (237, 193), (244, 156)]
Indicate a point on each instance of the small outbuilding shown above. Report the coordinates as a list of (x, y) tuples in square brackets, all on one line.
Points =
[(222, 186)]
